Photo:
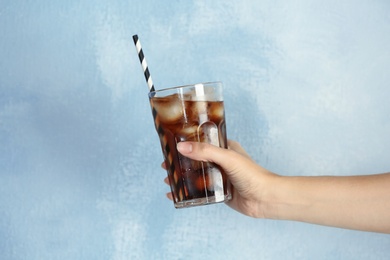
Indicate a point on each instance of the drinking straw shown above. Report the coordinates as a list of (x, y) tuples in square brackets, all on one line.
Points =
[(169, 160), (144, 65)]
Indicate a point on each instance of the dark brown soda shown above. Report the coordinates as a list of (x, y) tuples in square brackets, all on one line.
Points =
[(177, 120)]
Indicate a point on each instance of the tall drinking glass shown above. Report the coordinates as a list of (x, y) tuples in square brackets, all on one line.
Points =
[(192, 113)]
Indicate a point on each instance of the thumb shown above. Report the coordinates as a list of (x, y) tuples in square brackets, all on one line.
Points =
[(228, 159)]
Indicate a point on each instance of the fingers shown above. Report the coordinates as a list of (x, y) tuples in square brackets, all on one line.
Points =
[(237, 164), (233, 145), (169, 194), (235, 161), (209, 153), (163, 165)]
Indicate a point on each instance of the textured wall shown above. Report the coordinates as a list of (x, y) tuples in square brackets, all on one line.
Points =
[(306, 91)]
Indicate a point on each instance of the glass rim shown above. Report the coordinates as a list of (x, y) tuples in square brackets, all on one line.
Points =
[(152, 93)]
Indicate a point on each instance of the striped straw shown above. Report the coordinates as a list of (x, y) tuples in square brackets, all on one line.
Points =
[(142, 59), (177, 182)]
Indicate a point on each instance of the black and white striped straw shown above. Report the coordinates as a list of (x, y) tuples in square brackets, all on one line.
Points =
[(144, 65)]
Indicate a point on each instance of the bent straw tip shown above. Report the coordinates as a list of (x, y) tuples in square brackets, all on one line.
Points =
[(135, 37)]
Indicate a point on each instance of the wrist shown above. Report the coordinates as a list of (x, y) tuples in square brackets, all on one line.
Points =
[(283, 198)]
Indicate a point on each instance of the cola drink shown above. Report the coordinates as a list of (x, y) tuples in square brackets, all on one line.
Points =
[(192, 113)]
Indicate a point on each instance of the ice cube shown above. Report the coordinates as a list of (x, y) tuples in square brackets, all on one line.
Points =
[(187, 134), (216, 110), (189, 166), (168, 109), (200, 107), (199, 111)]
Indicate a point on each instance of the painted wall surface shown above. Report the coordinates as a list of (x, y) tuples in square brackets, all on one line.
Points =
[(307, 90)]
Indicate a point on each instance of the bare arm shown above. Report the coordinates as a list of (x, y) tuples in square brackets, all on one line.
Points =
[(353, 202)]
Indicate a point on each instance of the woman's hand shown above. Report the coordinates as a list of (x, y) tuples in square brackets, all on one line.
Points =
[(250, 181)]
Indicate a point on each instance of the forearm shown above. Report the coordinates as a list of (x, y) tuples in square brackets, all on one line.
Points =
[(354, 202)]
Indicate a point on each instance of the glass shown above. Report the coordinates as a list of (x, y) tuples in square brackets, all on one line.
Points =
[(192, 113)]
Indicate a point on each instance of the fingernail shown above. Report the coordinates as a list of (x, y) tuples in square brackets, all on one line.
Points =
[(184, 147)]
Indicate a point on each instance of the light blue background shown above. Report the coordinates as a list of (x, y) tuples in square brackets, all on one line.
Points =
[(306, 92)]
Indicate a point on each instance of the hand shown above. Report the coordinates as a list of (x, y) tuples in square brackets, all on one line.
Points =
[(250, 181), (359, 202)]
